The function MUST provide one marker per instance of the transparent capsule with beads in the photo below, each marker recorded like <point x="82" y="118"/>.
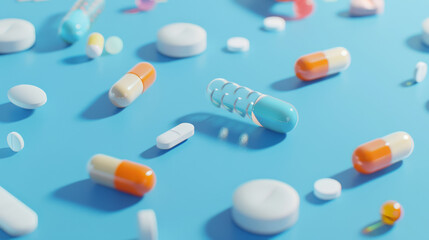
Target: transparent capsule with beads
<point x="263" y="110"/>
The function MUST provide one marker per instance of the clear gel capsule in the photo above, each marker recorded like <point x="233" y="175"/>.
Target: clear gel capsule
<point x="264" y="110"/>
<point x="78" y="20"/>
<point x="380" y="153"/>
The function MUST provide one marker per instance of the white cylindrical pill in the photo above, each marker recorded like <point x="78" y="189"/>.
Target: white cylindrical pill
<point x="265" y="206"/>
<point x="420" y="72"/>
<point x="15" y="141"/>
<point x="181" y="40"/>
<point x="327" y="188"/>
<point x="274" y="24"/>
<point x="148" y="226"/>
<point x="175" y="136"/>
<point x="238" y="44"/>
<point x="95" y="45"/>
<point x="16" y="35"/>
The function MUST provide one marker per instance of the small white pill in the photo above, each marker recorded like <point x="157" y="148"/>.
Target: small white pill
<point x="238" y="44"/>
<point x="16" y="218"/>
<point x="175" y="136"/>
<point x="181" y="40"/>
<point x="265" y="206"/>
<point x="327" y="189"/>
<point x="15" y="141"/>
<point x="274" y="24"/>
<point x="147" y="225"/>
<point x="425" y="34"/>
<point x="27" y="96"/>
<point x="420" y="72"/>
<point x="16" y="35"/>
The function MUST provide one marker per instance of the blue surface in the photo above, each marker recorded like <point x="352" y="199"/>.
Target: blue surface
<point x="196" y="180"/>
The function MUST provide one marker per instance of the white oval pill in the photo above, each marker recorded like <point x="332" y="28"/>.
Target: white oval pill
<point x="175" y="136"/>
<point x="327" y="189"/>
<point x="27" y="96"/>
<point x="274" y="24"/>
<point x="148" y="226"/>
<point x="16" y="218"/>
<point x="16" y="35"/>
<point x="238" y="44"/>
<point x="181" y="40"/>
<point x="15" y="141"/>
<point x="425" y="35"/>
<point x="265" y="206"/>
<point x="420" y="71"/>
<point x="114" y="45"/>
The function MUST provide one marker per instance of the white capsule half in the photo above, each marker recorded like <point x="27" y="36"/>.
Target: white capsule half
<point x="175" y="136"/>
<point x="338" y="59"/>
<point x="148" y="226"/>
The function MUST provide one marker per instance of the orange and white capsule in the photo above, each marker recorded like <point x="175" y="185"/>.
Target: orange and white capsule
<point x="132" y="84"/>
<point x="380" y="153"/>
<point x="122" y="175"/>
<point x="321" y="64"/>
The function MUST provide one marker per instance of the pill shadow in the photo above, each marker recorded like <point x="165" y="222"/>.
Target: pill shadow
<point x="415" y="42"/>
<point x="78" y="59"/>
<point x="130" y="10"/>
<point x="427" y="106"/>
<point x="149" y="53"/>
<point x="154" y="151"/>
<point x="311" y="198"/>
<point x="408" y="83"/>
<point x="264" y="8"/>
<point x="101" y="108"/>
<point x="292" y="83"/>
<point x="12" y="113"/>
<point x="89" y="194"/>
<point x="48" y="39"/>
<point x="379" y="230"/>
<point x="6" y="152"/>
<point x="233" y="131"/>
<point x="351" y="178"/>
<point x="346" y="14"/>
<point x="5" y="236"/>
<point x="221" y="227"/>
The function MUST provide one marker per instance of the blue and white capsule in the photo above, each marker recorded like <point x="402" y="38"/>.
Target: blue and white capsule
<point x="265" y="111"/>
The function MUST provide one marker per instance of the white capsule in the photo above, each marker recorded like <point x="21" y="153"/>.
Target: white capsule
<point x="175" y="136"/>
<point x="148" y="226"/>
<point x="420" y="72"/>
<point x="327" y="189"/>
<point x="238" y="44"/>
<point x="274" y="24"/>
<point x="15" y="141"/>
<point x="16" y="218"/>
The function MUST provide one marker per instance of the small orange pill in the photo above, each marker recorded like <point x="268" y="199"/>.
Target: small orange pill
<point x="390" y="212"/>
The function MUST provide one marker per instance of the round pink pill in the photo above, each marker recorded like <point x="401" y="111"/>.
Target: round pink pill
<point x="145" y="5"/>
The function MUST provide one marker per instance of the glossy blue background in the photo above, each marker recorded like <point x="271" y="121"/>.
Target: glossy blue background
<point x="196" y="180"/>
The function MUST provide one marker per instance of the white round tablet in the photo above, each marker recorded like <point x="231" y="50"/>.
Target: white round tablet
<point x="327" y="189"/>
<point x="181" y="40"/>
<point x="265" y="206"/>
<point x="274" y="24"/>
<point x="238" y="44"/>
<point x="27" y="96"/>
<point x="15" y="141"/>
<point x="16" y="35"/>
<point x="420" y="71"/>
<point x="147" y="225"/>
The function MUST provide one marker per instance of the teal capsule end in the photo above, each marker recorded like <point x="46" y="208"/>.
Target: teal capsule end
<point x="275" y="114"/>
<point x="75" y="26"/>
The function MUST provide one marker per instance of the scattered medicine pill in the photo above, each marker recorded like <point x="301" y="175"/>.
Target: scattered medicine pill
<point x="16" y="218"/>
<point x="147" y="225"/>
<point x="238" y="44"/>
<point x="15" y="141"/>
<point x="321" y="64"/>
<point x="420" y="72"/>
<point x="175" y="136"/>
<point x="274" y="24"/>
<point x="95" y="45"/>
<point x="16" y="35"/>
<point x="382" y="152"/>
<point x="265" y="206"/>
<point x="145" y="5"/>
<point x="180" y="40"/>
<point x="366" y="7"/>
<point x="122" y="175"/>
<point x="327" y="189"/>
<point x="425" y="34"/>
<point x="132" y="84"/>
<point x="391" y="211"/>
<point x="114" y="45"/>
<point x="27" y="96"/>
